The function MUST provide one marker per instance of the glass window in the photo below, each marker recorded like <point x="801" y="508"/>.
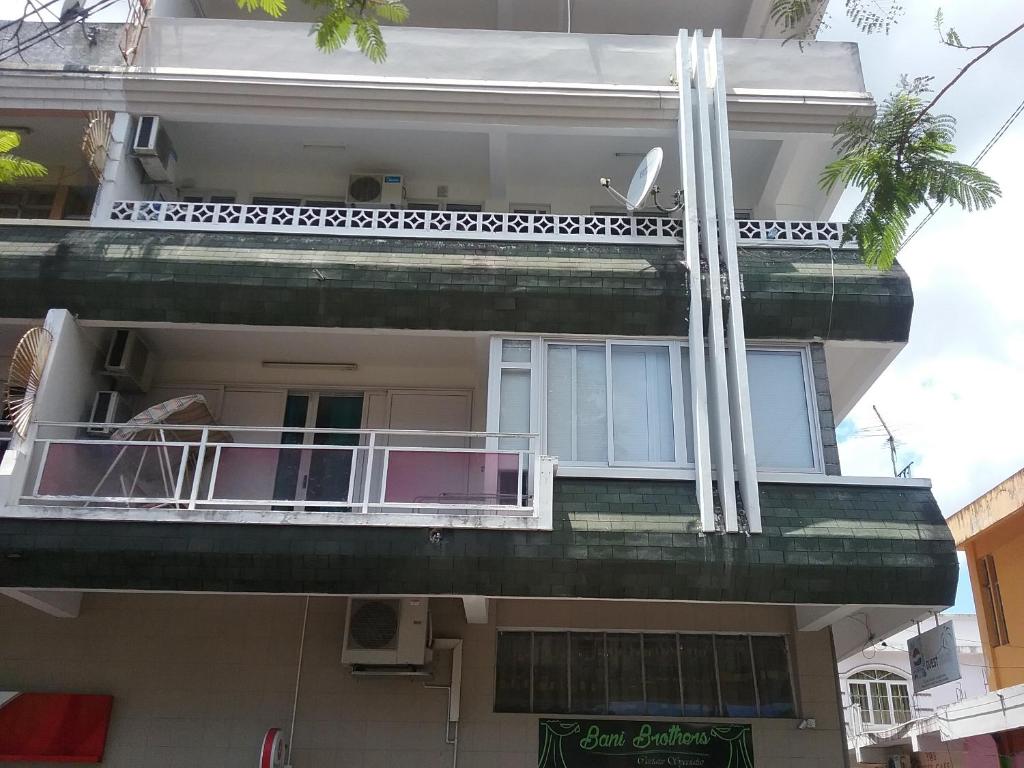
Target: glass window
<point x="735" y="675"/>
<point x="771" y="664"/>
<point x="625" y="674"/>
<point x="551" y="672"/>
<point x="515" y="350"/>
<point x="778" y="405"/>
<point x="577" y="403"/>
<point x="513" y="672"/>
<point x="642" y="428"/>
<point x="881" y="698"/>
<point x="643" y="425"/>
<point x="661" y="676"/>
<point x="700" y="685"/>
<point x="589" y="696"/>
<point x="514" y="411"/>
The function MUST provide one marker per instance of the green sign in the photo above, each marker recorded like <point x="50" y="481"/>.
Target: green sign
<point x="643" y="744"/>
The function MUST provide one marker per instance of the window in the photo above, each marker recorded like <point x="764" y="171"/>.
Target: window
<point x="470" y="207"/>
<point x="626" y="403"/>
<point x="633" y="673"/>
<point x="265" y="200"/>
<point x="529" y="208"/>
<point x="881" y="698"/>
<point x="514" y="371"/>
<point x="613" y="403"/>
<point x="992" y="602"/>
<point x="781" y="410"/>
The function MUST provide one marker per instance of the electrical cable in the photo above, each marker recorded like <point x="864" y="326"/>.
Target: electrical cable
<point x="19" y="46"/>
<point x="981" y="156"/>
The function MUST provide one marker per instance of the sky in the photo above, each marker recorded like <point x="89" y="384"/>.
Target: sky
<point x="953" y="396"/>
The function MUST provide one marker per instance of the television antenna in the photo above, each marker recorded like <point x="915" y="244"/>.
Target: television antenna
<point x="643" y="184"/>
<point x="890" y="440"/>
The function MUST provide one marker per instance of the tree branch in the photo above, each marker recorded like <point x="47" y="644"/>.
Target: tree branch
<point x="987" y="50"/>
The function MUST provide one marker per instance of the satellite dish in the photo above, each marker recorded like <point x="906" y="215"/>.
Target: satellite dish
<point x="643" y="184"/>
<point x="25" y="376"/>
<point x="644" y="178"/>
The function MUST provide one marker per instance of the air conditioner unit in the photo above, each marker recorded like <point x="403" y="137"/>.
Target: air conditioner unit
<point x="386" y="633"/>
<point x="108" y="407"/>
<point x="129" y="360"/>
<point x="376" y="190"/>
<point x="152" y="147"/>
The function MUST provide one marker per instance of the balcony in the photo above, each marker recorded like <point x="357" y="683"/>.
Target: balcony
<point x="346" y="477"/>
<point x="456" y="225"/>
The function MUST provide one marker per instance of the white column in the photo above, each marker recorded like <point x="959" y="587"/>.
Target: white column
<point x="691" y="250"/>
<point x="736" y="350"/>
<point x="718" y="391"/>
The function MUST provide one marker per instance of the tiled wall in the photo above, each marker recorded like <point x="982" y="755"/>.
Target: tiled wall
<point x="197" y="680"/>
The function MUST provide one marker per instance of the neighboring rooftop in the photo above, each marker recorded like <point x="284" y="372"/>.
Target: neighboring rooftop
<point x="989" y="510"/>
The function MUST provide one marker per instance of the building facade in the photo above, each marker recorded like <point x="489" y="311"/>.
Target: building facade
<point x="990" y="530"/>
<point x="887" y="720"/>
<point x="360" y="411"/>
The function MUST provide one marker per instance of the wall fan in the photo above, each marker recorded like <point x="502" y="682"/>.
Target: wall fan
<point x="24" y="378"/>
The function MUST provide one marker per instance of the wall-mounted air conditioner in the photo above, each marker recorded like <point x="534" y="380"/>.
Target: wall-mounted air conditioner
<point x="152" y="147"/>
<point x="129" y="360"/>
<point x="376" y="189"/>
<point x="108" y="407"/>
<point x="386" y="633"/>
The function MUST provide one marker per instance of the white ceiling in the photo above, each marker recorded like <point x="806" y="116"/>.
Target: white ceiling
<point x="308" y="345"/>
<point x="591" y="16"/>
<point x="54" y="141"/>
<point x="269" y="160"/>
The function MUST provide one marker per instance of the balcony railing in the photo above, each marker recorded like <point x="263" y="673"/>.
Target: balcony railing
<point x="462" y="225"/>
<point x="274" y="474"/>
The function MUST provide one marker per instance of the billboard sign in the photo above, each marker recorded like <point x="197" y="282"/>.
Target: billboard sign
<point x="933" y="659"/>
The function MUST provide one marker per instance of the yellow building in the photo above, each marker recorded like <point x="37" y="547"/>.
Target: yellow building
<point x="990" y="530"/>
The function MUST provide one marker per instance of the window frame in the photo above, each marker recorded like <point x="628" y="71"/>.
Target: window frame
<point x="678" y="635"/>
<point x="683" y="459"/>
<point x="992" y="601"/>
<point x="895" y="679"/>
<point x="811" y="400"/>
<point x="683" y="467"/>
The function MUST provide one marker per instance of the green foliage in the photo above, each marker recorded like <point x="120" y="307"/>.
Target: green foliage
<point x="342" y="20"/>
<point x="13" y="167"/>
<point x="900" y="161"/>
<point x="869" y="16"/>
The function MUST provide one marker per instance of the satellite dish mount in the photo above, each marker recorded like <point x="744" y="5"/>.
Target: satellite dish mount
<point x="643" y="184"/>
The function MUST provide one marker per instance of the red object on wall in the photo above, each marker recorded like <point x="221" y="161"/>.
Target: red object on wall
<point x="53" y="727"/>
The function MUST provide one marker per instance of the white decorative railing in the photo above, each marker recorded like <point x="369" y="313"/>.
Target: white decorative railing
<point x="342" y="476"/>
<point x="787" y="232"/>
<point x="461" y="225"/>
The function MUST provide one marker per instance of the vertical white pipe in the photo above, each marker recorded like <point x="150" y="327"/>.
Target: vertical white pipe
<point x="718" y="393"/>
<point x="698" y="413"/>
<point x="736" y="351"/>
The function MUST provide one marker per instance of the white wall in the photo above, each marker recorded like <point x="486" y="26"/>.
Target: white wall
<point x="893" y="657"/>
<point x="198" y="679"/>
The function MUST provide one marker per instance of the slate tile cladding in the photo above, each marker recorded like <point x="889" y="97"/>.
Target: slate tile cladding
<point x="826" y="417"/>
<point x="628" y="539"/>
<point x="262" y="279"/>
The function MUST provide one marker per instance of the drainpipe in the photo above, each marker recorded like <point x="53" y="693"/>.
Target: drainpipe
<point x="454" y="689"/>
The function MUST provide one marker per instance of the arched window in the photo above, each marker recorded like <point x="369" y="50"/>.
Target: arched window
<point x="883" y="698"/>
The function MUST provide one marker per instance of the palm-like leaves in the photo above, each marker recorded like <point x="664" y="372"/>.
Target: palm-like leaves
<point x="13" y="167"/>
<point x="343" y="20"/>
<point x="900" y="161"/>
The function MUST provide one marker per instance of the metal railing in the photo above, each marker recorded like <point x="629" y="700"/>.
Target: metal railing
<point x="469" y="225"/>
<point x="348" y="471"/>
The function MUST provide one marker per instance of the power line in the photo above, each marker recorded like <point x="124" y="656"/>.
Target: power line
<point x="76" y="15"/>
<point x="981" y="156"/>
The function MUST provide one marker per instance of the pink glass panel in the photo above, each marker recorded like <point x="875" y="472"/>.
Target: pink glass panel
<point x="451" y="477"/>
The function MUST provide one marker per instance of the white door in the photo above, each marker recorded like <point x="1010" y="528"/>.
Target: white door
<point x="437" y="476"/>
<point x="248" y="473"/>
